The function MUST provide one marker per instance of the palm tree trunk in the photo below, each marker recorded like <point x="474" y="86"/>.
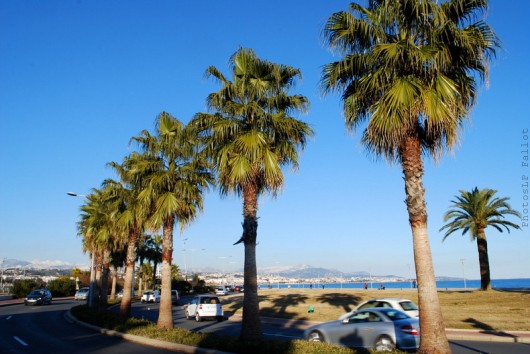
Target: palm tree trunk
<point x="433" y="338"/>
<point x="130" y="260"/>
<point x="251" y="324"/>
<point x="103" y="301"/>
<point x="97" y="283"/>
<point x="484" y="262"/>
<point x="165" y="314"/>
<point x="114" y="272"/>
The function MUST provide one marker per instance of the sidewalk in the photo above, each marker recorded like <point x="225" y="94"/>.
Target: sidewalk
<point x="452" y="333"/>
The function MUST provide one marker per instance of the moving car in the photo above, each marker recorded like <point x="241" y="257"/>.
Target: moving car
<point x="404" y="305"/>
<point x="221" y="290"/>
<point x="38" y="297"/>
<point x="204" y="307"/>
<point x="371" y="328"/>
<point x="175" y="297"/>
<point x="81" y="294"/>
<point x="150" y="296"/>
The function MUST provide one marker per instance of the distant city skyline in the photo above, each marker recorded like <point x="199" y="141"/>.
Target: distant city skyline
<point x="80" y="78"/>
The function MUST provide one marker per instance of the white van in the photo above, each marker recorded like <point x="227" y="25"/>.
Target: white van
<point x="221" y="290"/>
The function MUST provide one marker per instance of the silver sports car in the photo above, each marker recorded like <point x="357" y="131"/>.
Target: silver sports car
<point x="377" y="328"/>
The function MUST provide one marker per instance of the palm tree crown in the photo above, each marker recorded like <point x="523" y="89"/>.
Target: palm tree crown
<point x="408" y="67"/>
<point x="476" y="210"/>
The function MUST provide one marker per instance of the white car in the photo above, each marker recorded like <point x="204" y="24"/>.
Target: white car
<point x="405" y="305"/>
<point x="221" y="290"/>
<point x="82" y="294"/>
<point x="151" y="296"/>
<point x="203" y="307"/>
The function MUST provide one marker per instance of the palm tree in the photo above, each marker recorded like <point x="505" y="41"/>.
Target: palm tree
<point x="129" y="221"/>
<point x="249" y="137"/>
<point x="98" y="225"/>
<point x="176" y="179"/>
<point x="409" y="72"/>
<point x="473" y="212"/>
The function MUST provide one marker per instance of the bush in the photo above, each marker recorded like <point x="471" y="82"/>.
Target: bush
<point x="21" y="288"/>
<point x="63" y="286"/>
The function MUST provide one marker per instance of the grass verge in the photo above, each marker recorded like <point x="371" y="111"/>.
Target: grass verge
<point x="144" y="328"/>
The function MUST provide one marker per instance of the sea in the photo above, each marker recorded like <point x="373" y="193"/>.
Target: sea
<point x="471" y="284"/>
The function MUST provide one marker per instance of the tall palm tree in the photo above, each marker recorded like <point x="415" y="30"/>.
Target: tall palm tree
<point x="98" y="223"/>
<point x="409" y="72"/>
<point x="129" y="220"/>
<point x="249" y="137"/>
<point x="473" y="212"/>
<point x="176" y="179"/>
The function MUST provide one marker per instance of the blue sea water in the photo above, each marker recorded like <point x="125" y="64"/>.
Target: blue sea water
<point x="523" y="283"/>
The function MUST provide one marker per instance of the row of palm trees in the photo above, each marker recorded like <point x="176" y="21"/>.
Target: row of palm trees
<point x="408" y="74"/>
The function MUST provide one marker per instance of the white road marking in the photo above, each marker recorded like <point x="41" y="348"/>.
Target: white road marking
<point x="8" y="318"/>
<point x="21" y="341"/>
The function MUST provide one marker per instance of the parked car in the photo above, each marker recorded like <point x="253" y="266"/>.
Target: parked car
<point x="221" y="290"/>
<point x="175" y="297"/>
<point x="82" y="294"/>
<point x="371" y="328"/>
<point x="239" y="288"/>
<point x="204" y="307"/>
<point x="38" y="297"/>
<point x="150" y="296"/>
<point x="404" y="305"/>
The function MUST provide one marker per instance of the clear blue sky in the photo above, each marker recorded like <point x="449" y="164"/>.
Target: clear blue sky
<point x="78" y="79"/>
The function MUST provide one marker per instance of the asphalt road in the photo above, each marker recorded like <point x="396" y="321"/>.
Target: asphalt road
<point x="281" y="330"/>
<point x="45" y="330"/>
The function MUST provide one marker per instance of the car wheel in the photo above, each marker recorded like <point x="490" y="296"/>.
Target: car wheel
<point x="220" y="318"/>
<point x="384" y="343"/>
<point x="316" y="336"/>
<point x="198" y="317"/>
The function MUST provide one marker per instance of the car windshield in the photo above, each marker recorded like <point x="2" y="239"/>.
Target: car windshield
<point x="209" y="300"/>
<point x="37" y="292"/>
<point x="396" y="315"/>
<point x="408" y="306"/>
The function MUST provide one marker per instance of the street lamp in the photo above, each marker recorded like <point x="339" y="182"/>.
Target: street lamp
<point x="463" y="272"/>
<point x="2" y="279"/>
<point x="185" y="261"/>
<point x="90" y="298"/>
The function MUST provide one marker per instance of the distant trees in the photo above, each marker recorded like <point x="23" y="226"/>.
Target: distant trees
<point x="62" y="286"/>
<point x="23" y="287"/>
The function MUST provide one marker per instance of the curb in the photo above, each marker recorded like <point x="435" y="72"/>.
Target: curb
<point x="182" y="348"/>
<point x="488" y="335"/>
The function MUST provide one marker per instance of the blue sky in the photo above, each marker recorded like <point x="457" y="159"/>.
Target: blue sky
<point x="80" y="78"/>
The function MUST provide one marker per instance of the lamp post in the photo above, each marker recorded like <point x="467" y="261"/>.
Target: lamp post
<point x="185" y="261"/>
<point x="463" y="272"/>
<point x="90" y="298"/>
<point x="2" y="279"/>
